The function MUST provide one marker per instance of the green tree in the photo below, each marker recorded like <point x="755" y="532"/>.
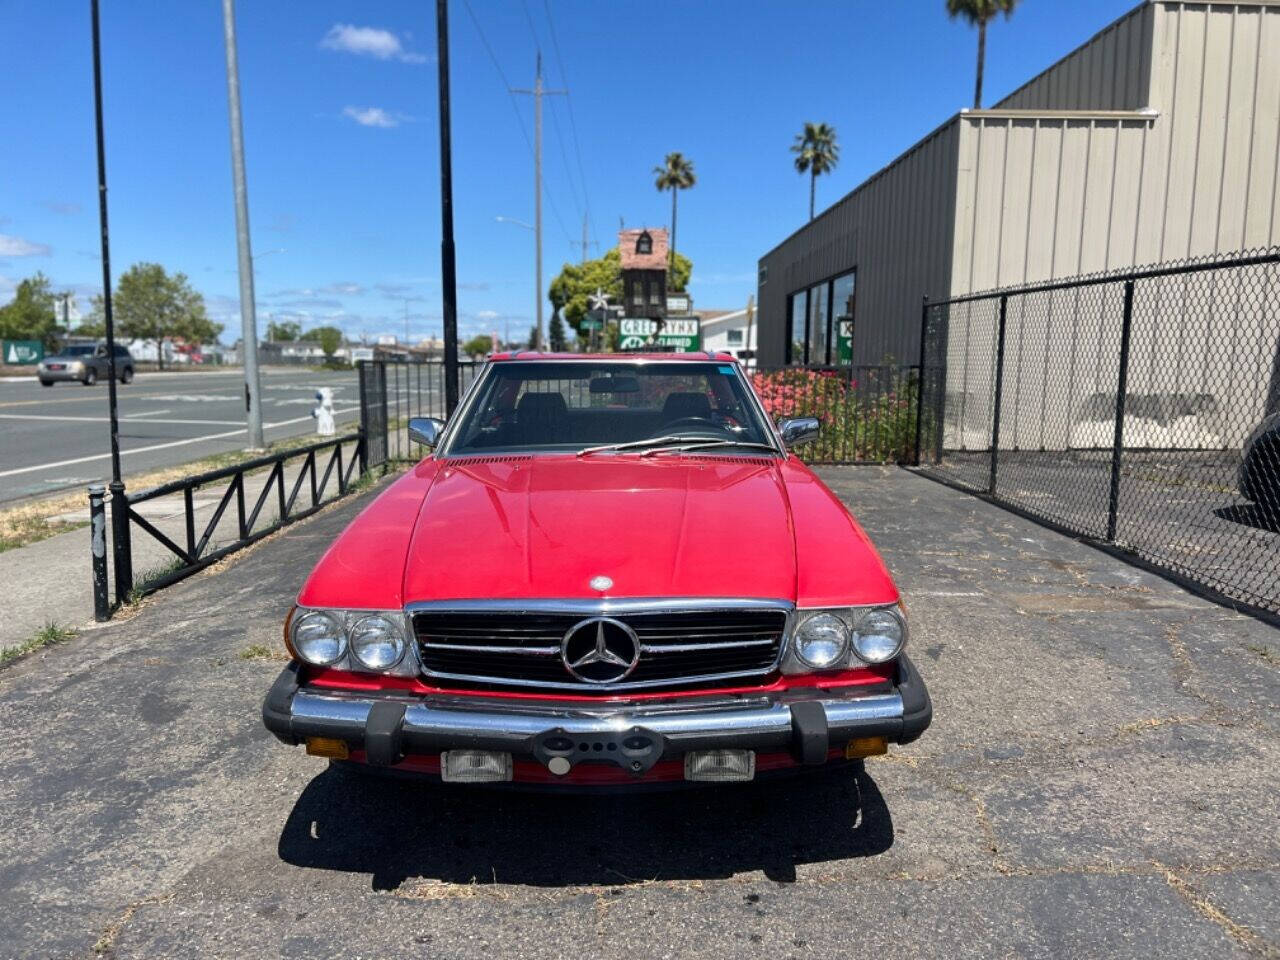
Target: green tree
<point x="329" y="338"/>
<point x="284" y="331"/>
<point x="150" y="304"/>
<point x="555" y="333"/>
<point x="675" y="174"/>
<point x="90" y="327"/>
<point x="31" y="314"/>
<point x="678" y="274"/>
<point x="533" y="337"/>
<point x="478" y="346"/>
<point x="816" y="153"/>
<point x="976" y="13"/>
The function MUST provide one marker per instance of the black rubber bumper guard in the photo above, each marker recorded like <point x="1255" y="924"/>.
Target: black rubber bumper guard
<point x="382" y="735"/>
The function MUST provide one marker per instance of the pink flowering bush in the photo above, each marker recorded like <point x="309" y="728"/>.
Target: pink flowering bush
<point x="874" y="420"/>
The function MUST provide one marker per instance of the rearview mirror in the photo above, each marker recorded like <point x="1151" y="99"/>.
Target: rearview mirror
<point x="426" y="431"/>
<point x="799" y="431"/>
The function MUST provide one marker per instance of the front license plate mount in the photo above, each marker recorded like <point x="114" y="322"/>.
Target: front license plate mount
<point x="634" y="749"/>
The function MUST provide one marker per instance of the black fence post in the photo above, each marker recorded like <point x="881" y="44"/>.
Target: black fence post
<point x="362" y="450"/>
<point x="382" y="389"/>
<point x="924" y="328"/>
<point x="98" y="548"/>
<point x="995" y="418"/>
<point x="1122" y="388"/>
<point x="122" y="549"/>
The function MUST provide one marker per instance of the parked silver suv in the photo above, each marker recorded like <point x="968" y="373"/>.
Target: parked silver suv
<point x="84" y="362"/>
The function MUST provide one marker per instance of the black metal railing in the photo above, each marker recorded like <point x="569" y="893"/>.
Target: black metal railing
<point x="392" y="391"/>
<point x="1139" y="409"/>
<point x="324" y="473"/>
<point x="869" y="412"/>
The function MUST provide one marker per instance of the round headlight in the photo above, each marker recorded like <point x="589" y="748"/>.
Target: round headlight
<point x="879" y="636"/>
<point x="376" y="642"/>
<point x="318" y="638"/>
<point x="821" y="641"/>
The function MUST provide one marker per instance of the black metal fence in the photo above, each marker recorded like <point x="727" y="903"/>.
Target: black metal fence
<point x="259" y="497"/>
<point x="1137" y="409"/>
<point x="392" y="391"/>
<point x="868" y="412"/>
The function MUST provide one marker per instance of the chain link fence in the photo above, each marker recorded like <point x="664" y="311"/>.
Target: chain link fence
<point x="1138" y="409"/>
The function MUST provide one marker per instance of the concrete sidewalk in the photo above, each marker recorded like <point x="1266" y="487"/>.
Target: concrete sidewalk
<point x="52" y="580"/>
<point x="1102" y="779"/>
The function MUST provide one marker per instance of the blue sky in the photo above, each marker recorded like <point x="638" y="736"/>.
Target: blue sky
<point x="340" y="116"/>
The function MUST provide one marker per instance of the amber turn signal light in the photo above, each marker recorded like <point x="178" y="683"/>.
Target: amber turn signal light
<point x="865" y="747"/>
<point x="327" y="747"/>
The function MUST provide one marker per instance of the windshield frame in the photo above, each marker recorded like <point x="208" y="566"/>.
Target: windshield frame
<point x="445" y="449"/>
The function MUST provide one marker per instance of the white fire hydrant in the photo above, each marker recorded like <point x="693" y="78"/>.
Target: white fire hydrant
<point x="324" y="413"/>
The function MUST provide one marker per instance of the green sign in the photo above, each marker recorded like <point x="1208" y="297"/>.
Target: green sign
<point x="844" y="340"/>
<point x="21" y="352"/>
<point x="683" y="334"/>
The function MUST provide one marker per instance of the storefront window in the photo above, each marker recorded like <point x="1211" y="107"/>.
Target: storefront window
<point x="819" y="315"/>
<point x="842" y="318"/>
<point x="797" y="327"/>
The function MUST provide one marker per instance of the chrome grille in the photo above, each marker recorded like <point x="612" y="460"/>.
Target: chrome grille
<point x="695" y="646"/>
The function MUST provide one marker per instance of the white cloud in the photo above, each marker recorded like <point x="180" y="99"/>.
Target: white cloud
<point x="370" y="116"/>
<point x="487" y="315"/>
<point x="11" y="246"/>
<point x="369" y="42"/>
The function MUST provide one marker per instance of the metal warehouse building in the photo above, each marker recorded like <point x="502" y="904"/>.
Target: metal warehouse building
<point x="1157" y="140"/>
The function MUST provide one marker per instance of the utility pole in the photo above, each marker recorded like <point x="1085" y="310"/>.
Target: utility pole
<point x="538" y="92"/>
<point x="248" y="315"/>
<point x="448" y="262"/>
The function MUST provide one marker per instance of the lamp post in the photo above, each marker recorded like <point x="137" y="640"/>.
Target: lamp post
<point x="448" y="263"/>
<point x="537" y="307"/>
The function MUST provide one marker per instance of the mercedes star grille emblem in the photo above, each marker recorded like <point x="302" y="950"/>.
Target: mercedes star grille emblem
<point x="600" y="650"/>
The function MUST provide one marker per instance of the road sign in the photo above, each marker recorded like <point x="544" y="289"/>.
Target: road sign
<point x="21" y="352"/>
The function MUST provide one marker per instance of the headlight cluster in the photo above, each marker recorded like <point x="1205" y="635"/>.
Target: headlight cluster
<point x="845" y="637"/>
<point x="373" y="641"/>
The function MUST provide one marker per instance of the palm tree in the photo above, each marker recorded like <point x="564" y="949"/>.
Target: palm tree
<point x="816" y="153"/>
<point x="977" y="13"/>
<point x="675" y="174"/>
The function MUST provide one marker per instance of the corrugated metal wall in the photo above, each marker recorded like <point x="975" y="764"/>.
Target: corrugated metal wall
<point x="1110" y="72"/>
<point x="1041" y="197"/>
<point x="1028" y="191"/>
<point x="896" y="230"/>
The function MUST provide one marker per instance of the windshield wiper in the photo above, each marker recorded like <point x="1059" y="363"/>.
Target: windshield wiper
<point x="648" y="442"/>
<point x="699" y="443"/>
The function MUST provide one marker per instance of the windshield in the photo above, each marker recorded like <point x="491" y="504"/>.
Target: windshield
<point x="577" y="405"/>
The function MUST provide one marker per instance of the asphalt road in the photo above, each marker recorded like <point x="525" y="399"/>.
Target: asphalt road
<point x="58" y="437"/>
<point x="1102" y="779"/>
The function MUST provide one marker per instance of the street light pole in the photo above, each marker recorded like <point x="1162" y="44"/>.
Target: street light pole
<point x="122" y="558"/>
<point x="248" y="315"/>
<point x="448" y="266"/>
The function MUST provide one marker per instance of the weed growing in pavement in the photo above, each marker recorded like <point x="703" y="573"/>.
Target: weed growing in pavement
<point x="51" y="633"/>
<point x="143" y="582"/>
<point x="257" y="651"/>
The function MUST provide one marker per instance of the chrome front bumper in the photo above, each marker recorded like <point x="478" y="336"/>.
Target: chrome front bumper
<point x="806" y="723"/>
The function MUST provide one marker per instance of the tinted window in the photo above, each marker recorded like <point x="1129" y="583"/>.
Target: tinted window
<point x="122" y="351"/>
<point x="85" y="350"/>
<point x="541" y="405"/>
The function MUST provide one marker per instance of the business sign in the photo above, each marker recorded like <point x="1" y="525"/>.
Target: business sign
<point x="637" y="333"/>
<point x="21" y="352"/>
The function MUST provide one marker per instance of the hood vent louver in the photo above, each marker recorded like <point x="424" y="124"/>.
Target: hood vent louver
<point x="497" y="458"/>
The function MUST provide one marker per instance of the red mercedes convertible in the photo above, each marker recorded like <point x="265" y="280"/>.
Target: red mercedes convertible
<point x="608" y="570"/>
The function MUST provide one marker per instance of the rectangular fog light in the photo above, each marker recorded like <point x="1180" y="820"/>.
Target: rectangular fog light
<point x="865" y="747"/>
<point x="474" y="766"/>
<point x="720" y="765"/>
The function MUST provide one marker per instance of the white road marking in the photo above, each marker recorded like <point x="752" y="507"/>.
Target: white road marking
<point x="131" y="419"/>
<point x="148" y="413"/>
<point x="162" y="446"/>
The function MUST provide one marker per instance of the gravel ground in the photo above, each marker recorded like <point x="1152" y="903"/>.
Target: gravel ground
<point x="1101" y="779"/>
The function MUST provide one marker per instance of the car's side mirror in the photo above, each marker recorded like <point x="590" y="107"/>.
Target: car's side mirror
<point x="426" y="431"/>
<point x="799" y="430"/>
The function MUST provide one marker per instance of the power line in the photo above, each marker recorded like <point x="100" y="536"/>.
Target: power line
<point x="573" y="124"/>
<point x="515" y="106"/>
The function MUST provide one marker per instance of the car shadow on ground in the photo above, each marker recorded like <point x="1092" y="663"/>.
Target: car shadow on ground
<point x="1251" y="515"/>
<point x="397" y="830"/>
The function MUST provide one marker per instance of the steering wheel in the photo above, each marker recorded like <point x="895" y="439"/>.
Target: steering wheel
<point x="696" y="423"/>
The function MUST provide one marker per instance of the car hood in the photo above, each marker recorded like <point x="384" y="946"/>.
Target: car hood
<point x="544" y="527"/>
